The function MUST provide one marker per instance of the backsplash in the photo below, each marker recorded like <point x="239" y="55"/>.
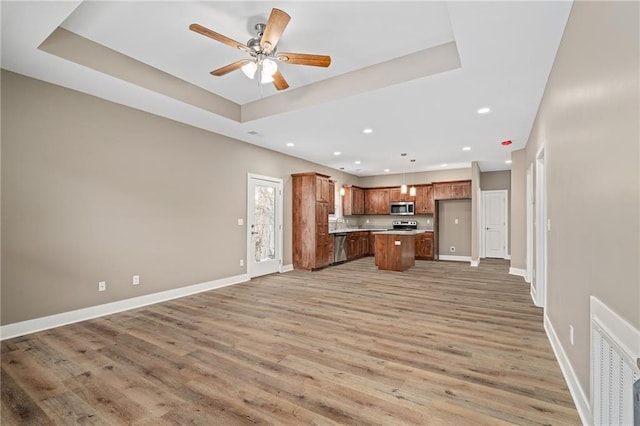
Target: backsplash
<point x="378" y="221"/>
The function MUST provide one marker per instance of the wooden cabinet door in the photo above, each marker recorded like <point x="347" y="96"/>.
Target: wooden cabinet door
<point x="332" y="197"/>
<point x="352" y="246"/>
<point x="428" y="245"/>
<point x="322" y="234"/>
<point x="347" y="201"/>
<point x="429" y="202"/>
<point x="394" y="195"/>
<point x="372" y="244"/>
<point x="424" y="246"/>
<point x="420" y="253"/>
<point x="461" y="190"/>
<point x="322" y="189"/>
<point x="442" y="191"/>
<point x="376" y="201"/>
<point x="358" y="200"/>
<point x="364" y="243"/>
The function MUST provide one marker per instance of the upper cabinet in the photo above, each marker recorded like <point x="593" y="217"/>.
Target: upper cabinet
<point x="332" y="197"/>
<point x="457" y="190"/>
<point x="396" y="195"/>
<point x="353" y="201"/>
<point x="376" y="201"/>
<point x="425" y="203"/>
<point x="322" y="188"/>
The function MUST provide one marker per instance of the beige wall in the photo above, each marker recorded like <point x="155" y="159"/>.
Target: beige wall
<point x="415" y="178"/>
<point x="93" y="191"/>
<point x="452" y="234"/>
<point x="491" y="181"/>
<point x="518" y="218"/>
<point x="588" y="123"/>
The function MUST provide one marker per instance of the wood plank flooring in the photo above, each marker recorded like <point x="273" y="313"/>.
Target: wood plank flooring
<point x="439" y="344"/>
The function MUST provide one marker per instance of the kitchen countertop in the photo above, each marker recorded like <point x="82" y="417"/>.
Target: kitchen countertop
<point x="377" y="230"/>
<point x="402" y="232"/>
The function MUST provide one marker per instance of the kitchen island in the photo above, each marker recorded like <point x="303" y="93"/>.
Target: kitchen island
<point x="395" y="250"/>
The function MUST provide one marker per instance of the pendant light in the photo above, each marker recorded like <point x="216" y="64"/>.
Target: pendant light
<point x="403" y="187"/>
<point x="342" y="190"/>
<point x="412" y="190"/>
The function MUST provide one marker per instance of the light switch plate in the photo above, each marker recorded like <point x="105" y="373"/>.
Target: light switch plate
<point x="240" y="222"/>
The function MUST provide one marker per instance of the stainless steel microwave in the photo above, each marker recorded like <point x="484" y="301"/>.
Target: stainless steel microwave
<point x="402" y="208"/>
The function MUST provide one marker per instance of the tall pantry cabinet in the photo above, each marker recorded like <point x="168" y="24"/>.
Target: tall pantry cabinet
<point x="312" y="243"/>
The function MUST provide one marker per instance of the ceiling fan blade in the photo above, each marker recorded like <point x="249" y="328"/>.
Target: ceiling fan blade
<point x="279" y="81"/>
<point x="218" y="37"/>
<point x="228" y="68"/>
<point x="305" y="59"/>
<point x="276" y="24"/>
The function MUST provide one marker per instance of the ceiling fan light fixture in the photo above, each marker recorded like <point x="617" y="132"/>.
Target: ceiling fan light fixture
<point x="249" y="69"/>
<point x="269" y="67"/>
<point x="265" y="78"/>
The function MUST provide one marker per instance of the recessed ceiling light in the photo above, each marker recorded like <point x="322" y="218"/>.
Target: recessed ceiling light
<point x="466" y="148"/>
<point x="387" y="170"/>
<point x="337" y="153"/>
<point x="291" y="144"/>
<point x="508" y="161"/>
<point x="356" y="162"/>
<point x="484" y="110"/>
<point x="443" y="165"/>
<point x="367" y="131"/>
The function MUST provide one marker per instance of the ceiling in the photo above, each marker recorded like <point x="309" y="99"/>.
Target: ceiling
<point x="414" y="72"/>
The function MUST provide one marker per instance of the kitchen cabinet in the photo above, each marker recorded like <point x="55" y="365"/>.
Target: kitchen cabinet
<point x="396" y="195"/>
<point x="424" y="246"/>
<point x="372" y="244"/>
<point x="332" y="197"/>
<point x="358" y="244"/>
<point x="425" y="203"/>
<point x="457" y="190"/>
<point x="312" y="243"/>
<point x="376" y="201"/>
<point x="395" y="252"/>
<point x="353" y="201"/>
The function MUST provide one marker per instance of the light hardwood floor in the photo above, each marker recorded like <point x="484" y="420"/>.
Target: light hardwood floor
<point x="441" y="343"/>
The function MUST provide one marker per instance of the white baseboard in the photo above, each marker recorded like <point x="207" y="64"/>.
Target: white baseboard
<point x="286" y="268"/>
<point x="44" y="323"/>
<point x="475" y="263"/>
<point x="517" y="271"/>
<point x="534" y="295"/>
<point x="455" y="258"/>
<point x="579" y="398"/>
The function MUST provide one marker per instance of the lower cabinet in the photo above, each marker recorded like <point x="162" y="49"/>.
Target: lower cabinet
<point x="424" y="246"/>
<point x="358" y="244"/>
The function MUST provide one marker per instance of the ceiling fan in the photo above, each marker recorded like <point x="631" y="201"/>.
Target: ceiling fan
<point x="262" y="49"/>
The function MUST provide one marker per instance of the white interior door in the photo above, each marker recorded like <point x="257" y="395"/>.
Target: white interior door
<point x="540" y="279"/>
<point x="495" y="223"/>
<point x="264" y="225"/>
<point x="529" y="273"/>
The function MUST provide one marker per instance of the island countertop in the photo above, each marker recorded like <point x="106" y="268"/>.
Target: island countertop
<point x="402" y="232"/>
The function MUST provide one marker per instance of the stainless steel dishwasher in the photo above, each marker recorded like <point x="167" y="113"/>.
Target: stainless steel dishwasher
<point x="339" y="247"/>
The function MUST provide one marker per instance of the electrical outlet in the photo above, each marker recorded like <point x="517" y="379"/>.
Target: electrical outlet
<point x="452" y="249"/>
<point x="571" y="334"/>
<point x="102" y="286"/>
<point x="240" y="222"/>
<point x="455" y="221"/>
<point x="136" y="279"/>
<point x="367" y="220"/>
<point x="241" y="262"/>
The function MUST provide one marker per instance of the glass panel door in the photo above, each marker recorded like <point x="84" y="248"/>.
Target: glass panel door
<point x="264" y="200"/>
